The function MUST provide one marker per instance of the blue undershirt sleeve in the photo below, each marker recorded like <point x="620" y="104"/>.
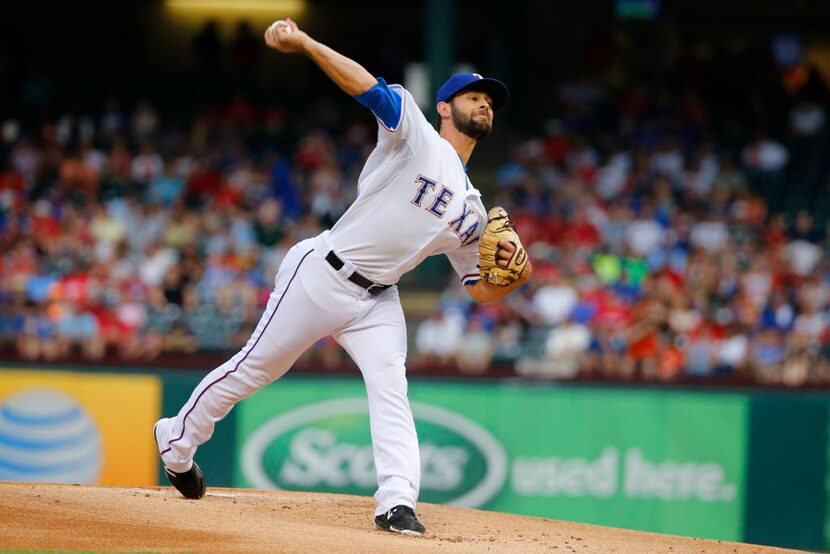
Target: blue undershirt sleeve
<point x="384" y="102"/>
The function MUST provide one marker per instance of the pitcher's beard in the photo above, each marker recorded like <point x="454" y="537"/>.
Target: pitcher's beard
<point x="474" y="129"/>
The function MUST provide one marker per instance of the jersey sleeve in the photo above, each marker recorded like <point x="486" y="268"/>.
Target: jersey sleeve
<point x="399" y="117"/>
<point x="385" y="102"/>
<point x="465" y="263"/>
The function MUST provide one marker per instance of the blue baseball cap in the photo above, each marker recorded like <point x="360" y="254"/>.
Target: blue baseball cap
<point x="473" y="81"/>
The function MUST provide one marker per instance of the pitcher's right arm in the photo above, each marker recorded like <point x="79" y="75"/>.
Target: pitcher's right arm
<point x="346" y="73"/>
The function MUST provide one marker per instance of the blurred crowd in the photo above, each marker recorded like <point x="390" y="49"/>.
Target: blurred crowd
<point x="668" y="282"/>
<point x="667" y="247"/>
<point x="660" y="256"/>
<point x="123" y="234"/>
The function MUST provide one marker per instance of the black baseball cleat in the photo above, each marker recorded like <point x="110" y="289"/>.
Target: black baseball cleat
<point x="400" y="519"/>
<point x="191" y="483"/>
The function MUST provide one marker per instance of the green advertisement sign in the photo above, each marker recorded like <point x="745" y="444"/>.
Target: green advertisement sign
<point x="669" y="462"/>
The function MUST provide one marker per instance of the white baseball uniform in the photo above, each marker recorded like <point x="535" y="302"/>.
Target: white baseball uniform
<point x="414" y="200"/>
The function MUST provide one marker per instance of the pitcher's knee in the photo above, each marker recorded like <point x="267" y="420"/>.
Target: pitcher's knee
<point x="388" y="378"/>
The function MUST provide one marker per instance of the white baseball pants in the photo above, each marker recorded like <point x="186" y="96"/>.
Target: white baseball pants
<point x="310" y="301"/>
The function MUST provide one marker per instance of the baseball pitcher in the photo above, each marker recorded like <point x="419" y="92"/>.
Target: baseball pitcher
<point x="414" y="200"/>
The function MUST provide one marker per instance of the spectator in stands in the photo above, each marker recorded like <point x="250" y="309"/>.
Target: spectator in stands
<point x="11" y="320"/>
<point x="165" y="189"/>
<point x="765" y="160"/>
<point x="39" y="337"/>
<point x="78" y="330"/>
<point x="475" y="349"/>
<point x="161" y="318"/>
<point x="437" y="339"/>
<point x="564" y="349"/>
<point x="554" y="299"/>
<point x="268" y="228"/>
<point x="644" y="234"/>
<point x="768" y="351"/>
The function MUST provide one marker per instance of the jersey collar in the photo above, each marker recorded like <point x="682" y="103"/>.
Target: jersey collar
<point x="464" y="167"/>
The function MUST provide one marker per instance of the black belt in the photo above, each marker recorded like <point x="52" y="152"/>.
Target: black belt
<point x="372" y="288"/>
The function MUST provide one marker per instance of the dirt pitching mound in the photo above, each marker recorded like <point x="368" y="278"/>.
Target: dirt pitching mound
<point x="71" y="517"/>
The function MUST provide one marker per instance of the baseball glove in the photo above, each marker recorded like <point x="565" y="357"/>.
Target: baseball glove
<point x="499" y="227"/>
